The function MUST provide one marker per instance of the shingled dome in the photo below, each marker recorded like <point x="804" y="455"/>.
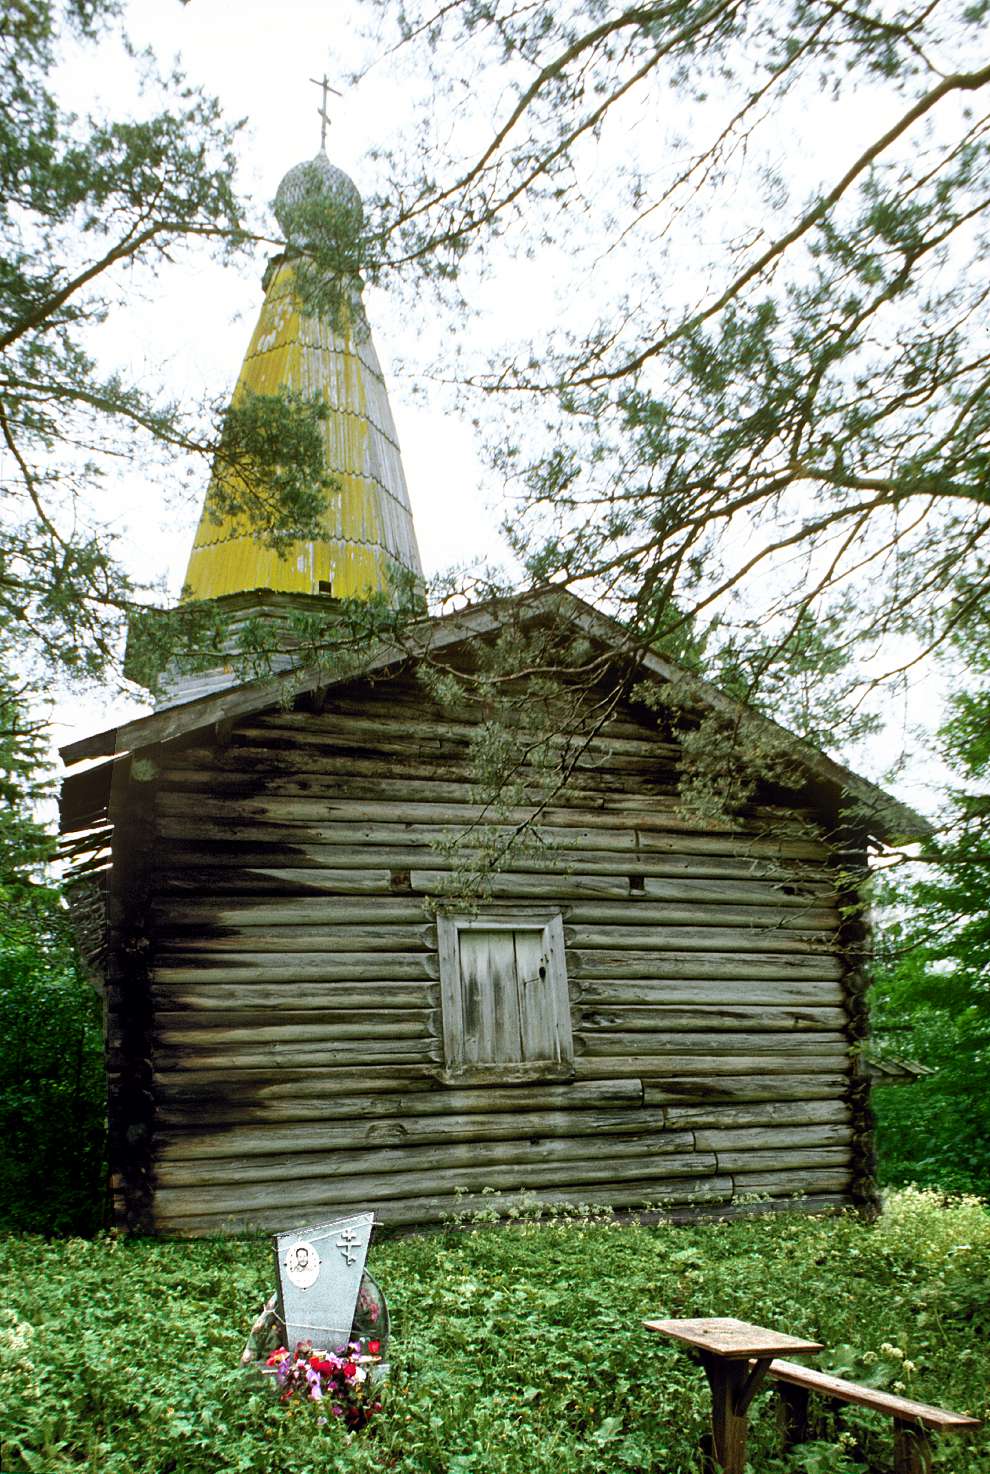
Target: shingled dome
<point x="304" y="187"/>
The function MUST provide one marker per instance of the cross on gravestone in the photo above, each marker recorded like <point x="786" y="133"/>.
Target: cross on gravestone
<point x="319" y="1273"/>
<point x="324" y="82"/>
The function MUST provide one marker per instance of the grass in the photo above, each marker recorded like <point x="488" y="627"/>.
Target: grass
<point x="515" y="1352"/>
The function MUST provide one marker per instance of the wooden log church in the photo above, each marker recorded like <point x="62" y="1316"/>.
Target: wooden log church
<point x="303" y="1017"/>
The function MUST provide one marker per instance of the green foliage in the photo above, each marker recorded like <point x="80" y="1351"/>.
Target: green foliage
<point x="83" y="201"/>
<point x="932" y="992"/>
<point x="771" y="413"/>
<point x="516" y="1351"/>
<point x="52" y="1080"/>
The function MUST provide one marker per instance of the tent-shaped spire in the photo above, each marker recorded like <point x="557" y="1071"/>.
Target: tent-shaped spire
<point x="367" y="531"/>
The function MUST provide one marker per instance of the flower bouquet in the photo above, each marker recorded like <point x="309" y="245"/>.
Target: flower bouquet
<point x="342" y="1379"/>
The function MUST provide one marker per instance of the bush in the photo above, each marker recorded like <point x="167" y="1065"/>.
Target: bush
<point x="52" y="1080"/>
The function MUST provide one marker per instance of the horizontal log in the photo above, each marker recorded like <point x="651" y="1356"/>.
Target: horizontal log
<point x="235" y="878"/>
<point x="391" y="910"/>
<point x="324" y="911"/>
<point x="713" y="1018"/>
<point x="771" y="1138"/>
<point x="204" y="820"/>
<point x="669" y="887"/>
<point x="239" y="1196"/>
<point x="278" y="1212"/>
<point x="794" y="1045"/>
<point x="418" y="937"/>
<point x="711" y="1067"/>
<point x="625" y="1155"/>
<point x="699" y="938"/>
<point x="349" y="1134"/>
<point x="366" y="998"/>
<point x="764" y="1113"/>
<point x="707" y="1094"/>
<point x="291" y="1025"/>
<point x="732" y="992"/>
<point x="314" y="1096"/>
<point x="259" y="849"/>
<point x="313" y="967"/>
<point x="588" y="963"/>
<point x="618" y="826"/>
<point x="360" y="1055"/>
<point x="789" y="1183"/>
<point x="786" y="1159"/>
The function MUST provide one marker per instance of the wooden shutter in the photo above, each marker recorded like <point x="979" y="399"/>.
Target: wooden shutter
<point x="506" y="1009"/>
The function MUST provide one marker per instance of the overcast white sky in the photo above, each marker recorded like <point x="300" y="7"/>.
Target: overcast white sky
<point x="189" y="327"/>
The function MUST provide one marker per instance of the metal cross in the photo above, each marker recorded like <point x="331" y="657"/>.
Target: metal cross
<point x="346" y="1244"/>
<point x="324" y="119"/>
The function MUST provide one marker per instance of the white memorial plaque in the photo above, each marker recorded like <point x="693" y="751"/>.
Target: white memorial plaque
<point x="319" y="1278"/>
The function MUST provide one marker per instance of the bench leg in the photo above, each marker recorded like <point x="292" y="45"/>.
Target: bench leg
<point x="792" y="1414"/>
<point x="726" y="1379"/>
<point x="912" y="1448"/>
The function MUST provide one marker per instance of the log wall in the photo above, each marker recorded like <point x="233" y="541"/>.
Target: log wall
<point x="294" y="980"/>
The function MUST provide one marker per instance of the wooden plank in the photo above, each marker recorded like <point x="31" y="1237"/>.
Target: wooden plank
<point x="274" y="1053"/>
<point x="370" y="998"/>
<point x="295" y="940"/>
<point x="885" y="1402"/>
<point x="323" y="911"/>
<point x="794" y="1046"/>
<point x="600" y="964"/>
<point x="380" y="1129"/>
<point x="804" y="1180"/>
<point x="653" y="825"/>
<point x="769" y="940"/>
<point x="370" y="1186"/>
<point x="714" y="911"/>
<point x="314" y="1096"/>
<point x="666" y="885"/>
<point x="665" y="1067"/>
<point x="262" y="848"/>
<point x="721" y="1116"/>
<point x="731" y="992"/>
<point x="437" y="1208"/>
<point x="771" y="1136"/>
<point x="783" y="1159"/>
<point x="436" y="1159"/>
<point x="236" y="875"/>
<point x="242" y="1027"/>
<point x="708" y="1093"/>
<point x="202" y="819"/>
<point x="718" y="1019"/>
<point x="263" y="967"/>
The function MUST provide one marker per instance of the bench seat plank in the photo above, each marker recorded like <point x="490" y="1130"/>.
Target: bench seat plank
<point x="884" y="1402"/>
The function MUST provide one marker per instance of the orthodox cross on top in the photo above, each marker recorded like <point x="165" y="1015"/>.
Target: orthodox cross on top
<point x="347" y="1243"/>
<point x="324" y="82"/>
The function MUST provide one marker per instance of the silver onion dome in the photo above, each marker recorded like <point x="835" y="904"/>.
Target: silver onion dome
<point x="316" y="199"/>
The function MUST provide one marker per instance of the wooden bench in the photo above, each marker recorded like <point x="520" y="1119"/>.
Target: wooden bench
<point x="913" y="1421"/>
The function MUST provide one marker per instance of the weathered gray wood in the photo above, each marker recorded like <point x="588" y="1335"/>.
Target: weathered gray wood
<point x="711" y="1067"/>
<point x="701" y="939"/>
<point x="313" y="967"/>
<point x="228" y="1052"/>
<point x="236" y="1197"/>
<point x="791" y="1044"/>
<point x="724" y="890"/>
<point x="186" y="816"/>
<point x="379" y="1129"/>
<point x="709" y="1093"/>
<point x="237" y="876"/>
<point x="783" y="1159"/>
<point x="311" y="1097"/>
<point x="731" y="992"/>
<point x="370" y="998"/>
<point x="296" y="939"/>
<point x="811" y="1180"/>
<point x="721" y="1117"/>
<point x="771" y="1136"/>
<point x="716" y="911"/>
<point x="290" y="1025"/>
<point x="812" y="1380"/>
<point x="601" y="964"/>
<point x="296" y="911"/>
<point x="718" y="1019"/>
<point x="439" y="1158"/>
<point x="436" y="1208"/>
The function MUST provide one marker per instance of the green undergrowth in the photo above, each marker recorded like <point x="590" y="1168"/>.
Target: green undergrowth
<point x="516" y="1351"/>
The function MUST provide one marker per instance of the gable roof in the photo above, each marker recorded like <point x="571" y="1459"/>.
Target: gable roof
<point x="881" y="813"/>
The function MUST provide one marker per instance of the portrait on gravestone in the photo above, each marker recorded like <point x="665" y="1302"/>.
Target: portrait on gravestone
<point x="325" y="1295"/>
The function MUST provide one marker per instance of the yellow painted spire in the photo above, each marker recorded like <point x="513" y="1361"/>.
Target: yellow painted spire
<point x="367" y="527"/>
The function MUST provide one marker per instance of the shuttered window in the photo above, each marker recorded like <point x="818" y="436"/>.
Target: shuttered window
<point x="506" y="1010"/>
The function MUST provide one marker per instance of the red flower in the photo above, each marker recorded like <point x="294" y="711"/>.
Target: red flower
<point x="349" y="1368"/>
<point x="374" y="1347"/>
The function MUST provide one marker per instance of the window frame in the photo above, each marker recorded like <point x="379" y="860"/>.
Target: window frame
<point x="456" y="1070"/>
